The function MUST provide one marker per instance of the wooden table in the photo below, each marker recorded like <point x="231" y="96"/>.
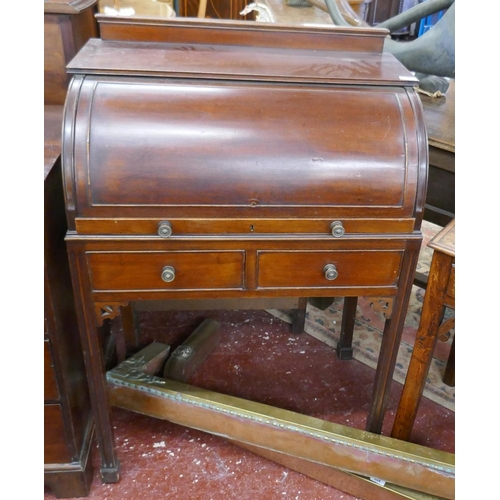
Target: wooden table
<point x="440" y="121"/>
<point x="440" y="293"/>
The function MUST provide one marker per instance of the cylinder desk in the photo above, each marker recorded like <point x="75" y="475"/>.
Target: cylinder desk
<point x="239" y="160"/>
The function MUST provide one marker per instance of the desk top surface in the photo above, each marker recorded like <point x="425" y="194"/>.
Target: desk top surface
<point x="440" y="119"/>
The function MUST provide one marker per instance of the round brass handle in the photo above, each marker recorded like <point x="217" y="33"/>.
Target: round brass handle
<point x="165" y="229"/>
<point x="168" y="274"/>
<point x="337" y="229"/>
<point x="331" y="272"/>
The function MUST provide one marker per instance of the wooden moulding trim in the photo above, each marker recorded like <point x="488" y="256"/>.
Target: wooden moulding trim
<point x="67" y="152"/>
<point x="67" y="7"/>
<point x="237" y="25"/>
<point x="423" y="156"/>
<point x="352" y="450"/>
<point x="241" y="33"/>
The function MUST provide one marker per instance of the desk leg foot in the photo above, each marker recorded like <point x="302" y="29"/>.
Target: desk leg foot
<point x="344" y="345"/>
<point x="90" y="319"/>
<point x="344" y="354"/>
<point x="299" y="316"/>
<point x="391" y="338"/>
<point x="111" y="474"/>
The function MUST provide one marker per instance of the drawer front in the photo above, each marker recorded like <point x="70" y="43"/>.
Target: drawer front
<point x="202" y="270"/>
<point x="51" y="391"/>
<point x="308" y="269"/>
<point x="55" y="448"/>
<point x="248" y="227"/>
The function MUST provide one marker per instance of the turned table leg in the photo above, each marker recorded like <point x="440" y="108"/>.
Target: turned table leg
<point x="344" y="345"/>
<point x="449" y="373"/>
<point x="95" y="368"/>
<point x="391" y="339"/>
<point x="299" y="316"/>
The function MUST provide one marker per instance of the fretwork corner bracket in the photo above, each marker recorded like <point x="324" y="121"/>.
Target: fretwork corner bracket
<point x="382" y="305"/>
<point x="107" y="310"/>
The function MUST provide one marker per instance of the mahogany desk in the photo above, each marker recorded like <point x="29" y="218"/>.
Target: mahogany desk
<point x="239" y="160"/>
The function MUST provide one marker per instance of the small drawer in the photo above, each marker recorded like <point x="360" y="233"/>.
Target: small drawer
<point x="153" y="270"/>
<point x="51" y="390"/>
<point x="316" y="269"/>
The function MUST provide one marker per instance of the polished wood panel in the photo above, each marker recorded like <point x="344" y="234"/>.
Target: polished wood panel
<point x="243" y="34"/>
<point x="67" y="26"/>
<point x="55" y="448"/>
<point x="142" y="270"/>
<point x="51" y="391"/>
<point x="218" y="61"/>
<point x="55" y="79"/>
<point x="269" y="174"/>
<point x="306" y="269"/>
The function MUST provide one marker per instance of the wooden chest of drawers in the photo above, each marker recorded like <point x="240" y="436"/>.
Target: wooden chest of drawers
<point x="68" y="24"/>
<point x="224" y="160"/>
<point x="68" y="424"/>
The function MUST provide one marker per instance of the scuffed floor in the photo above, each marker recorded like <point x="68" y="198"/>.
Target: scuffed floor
<point x="259" y="359"/>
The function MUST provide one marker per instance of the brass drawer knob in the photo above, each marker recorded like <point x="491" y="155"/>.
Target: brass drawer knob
<point x="331" y="272"/>
<point x="337" y="229"/>
<point x="168" y="274"/>
<point x="164" y="229"/>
